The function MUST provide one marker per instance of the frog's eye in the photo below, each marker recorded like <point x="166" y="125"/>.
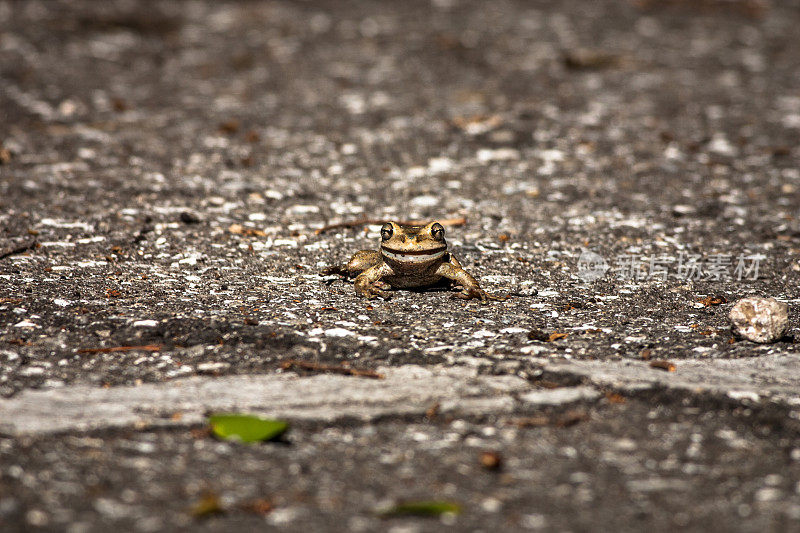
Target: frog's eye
<point x="386" y="232"/>
<point x="437" y="231"/>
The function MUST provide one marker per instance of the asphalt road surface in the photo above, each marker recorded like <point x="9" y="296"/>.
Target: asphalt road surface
<point x="175" y="176"/>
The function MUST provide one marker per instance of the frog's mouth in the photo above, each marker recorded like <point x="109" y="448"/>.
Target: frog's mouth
<point x="413" y="256"/>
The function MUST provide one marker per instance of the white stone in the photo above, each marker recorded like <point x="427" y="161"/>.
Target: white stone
<point x="303" y="209"/>
<point x="719" y="144"/>
<point x="426" y="200"/>
<point x="762" y="320"/>
<point x="211" y="367"/>
<point x="768" y="494"/>
<point x="743" y="395"/>
<point x="440" y="164"/>
<point x="560" y="396"/>
<point x="501" y="154"/>
<point x="533" y="521"/>
<point x="145" y="323"/>
<point x="338" y="332"/>
<point x="31" y="371"/>
<point x="491" y="505"/>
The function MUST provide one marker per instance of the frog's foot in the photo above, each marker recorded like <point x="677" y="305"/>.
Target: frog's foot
<point x="469" y="293"/>
<point x="336" y="270"/>
<point x="372" y="290"/>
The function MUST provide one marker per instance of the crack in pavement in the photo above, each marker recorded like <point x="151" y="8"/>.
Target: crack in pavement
<point x="407" y="390"/>
<point x="773" y="376"/>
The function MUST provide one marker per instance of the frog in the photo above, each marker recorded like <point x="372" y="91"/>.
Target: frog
<point x="409" y="257"/>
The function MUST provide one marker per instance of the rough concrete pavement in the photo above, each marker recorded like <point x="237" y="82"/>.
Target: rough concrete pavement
<point x="625" y="172"/>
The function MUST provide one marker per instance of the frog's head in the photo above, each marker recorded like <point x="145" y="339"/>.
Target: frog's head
<point x="412" y="245"/>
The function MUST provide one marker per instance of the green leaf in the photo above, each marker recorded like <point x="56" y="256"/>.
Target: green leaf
<point x="246" y="428"/>
<point x="424" y="508"/>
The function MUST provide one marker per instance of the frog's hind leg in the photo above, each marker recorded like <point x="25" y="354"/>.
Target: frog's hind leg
<point x="361" y="261"/>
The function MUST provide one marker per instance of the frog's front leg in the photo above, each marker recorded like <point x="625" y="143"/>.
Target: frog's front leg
<point x="453" y="270"/>
<point x="369" y="283"/>
<point x="361" y="261"/>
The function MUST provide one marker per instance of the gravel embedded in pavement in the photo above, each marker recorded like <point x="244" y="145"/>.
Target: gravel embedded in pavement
<point x="626" y="172"/>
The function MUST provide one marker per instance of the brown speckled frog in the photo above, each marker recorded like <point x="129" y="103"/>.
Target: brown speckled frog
<point x="409" y="256"/>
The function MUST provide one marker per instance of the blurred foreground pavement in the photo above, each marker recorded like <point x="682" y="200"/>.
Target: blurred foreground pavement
<point x="626" y="170"/>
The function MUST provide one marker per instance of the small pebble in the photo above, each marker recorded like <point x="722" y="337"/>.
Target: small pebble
<point x="762" y="320"/>
<point x="491" y="460"/>
<point x="538" y="335"/>
<point x="188" y="217"/>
